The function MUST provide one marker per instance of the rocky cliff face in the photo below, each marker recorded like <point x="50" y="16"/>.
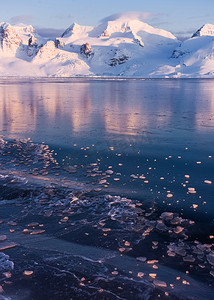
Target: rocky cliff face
<point x="207" y="29"/>
<point x="86" y="50"/>
<point x="10" y="41"/>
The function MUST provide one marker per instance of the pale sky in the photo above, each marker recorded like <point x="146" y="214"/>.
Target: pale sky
<point x="181" y="17"/>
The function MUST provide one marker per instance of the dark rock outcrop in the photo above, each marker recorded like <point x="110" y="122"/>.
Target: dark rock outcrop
<point x="59" y="43"/>
<point x="86" y="50"/>
<point x="118" y="61"/>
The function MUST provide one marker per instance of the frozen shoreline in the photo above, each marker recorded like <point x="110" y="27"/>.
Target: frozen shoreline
<point x="110" y="234"/>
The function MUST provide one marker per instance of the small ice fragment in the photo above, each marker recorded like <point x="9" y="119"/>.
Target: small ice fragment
<point x="189" y="258"/>
<point x="34" y="232"/>
<point x="169" y="195"/>
<point x="142" y="259"/>
<point x="167" y="215"/>
<point x="151" y="262"/>
<point x="12" y="223"/>
<point x="102" y="181"/>
<point x="109" y="172"/>
<point x="178" y="229"/>
<point x="191" y="190"/>
<point x="34" y="224"/>
<point x="122" y="249"/>
<point x="114" y="273"/>
<point x="160" y="283"/>
<point x="210" y="258"/>
<point x="3" y="238"/>
<point x="170" y="253"/>
<point x="140" y="274"/>
<point x="207" y="181"/>
<point x="28" y="273"/>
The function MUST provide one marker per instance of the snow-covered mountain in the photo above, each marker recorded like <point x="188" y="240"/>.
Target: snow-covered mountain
<point x="195" y="56"/>
<point x="120" y="47"/>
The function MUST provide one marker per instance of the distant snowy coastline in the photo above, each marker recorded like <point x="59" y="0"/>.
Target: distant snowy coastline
<point x="122" y="47"/>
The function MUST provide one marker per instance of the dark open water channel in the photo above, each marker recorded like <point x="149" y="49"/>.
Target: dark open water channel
<point x="66" y="144"/>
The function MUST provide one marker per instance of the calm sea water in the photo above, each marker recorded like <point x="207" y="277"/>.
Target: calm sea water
<point x="150" y="141"/>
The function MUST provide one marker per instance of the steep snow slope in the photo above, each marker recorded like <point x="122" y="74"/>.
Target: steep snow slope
<point x="195" y="56"/>
<point x="120" y="47"/>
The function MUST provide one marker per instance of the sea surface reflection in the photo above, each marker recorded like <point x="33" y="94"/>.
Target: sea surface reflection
<point x="149" y="111"/>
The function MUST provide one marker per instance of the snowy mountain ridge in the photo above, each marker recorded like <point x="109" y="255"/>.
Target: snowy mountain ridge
<point x="121" y="47"/>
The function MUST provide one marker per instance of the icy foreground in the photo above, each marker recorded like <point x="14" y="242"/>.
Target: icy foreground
<point x="123" y="47"/>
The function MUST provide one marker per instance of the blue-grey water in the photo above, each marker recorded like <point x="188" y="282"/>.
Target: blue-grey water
<point x="156" y="137"/>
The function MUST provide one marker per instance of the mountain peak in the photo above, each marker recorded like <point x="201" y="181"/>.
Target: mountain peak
<point x="132" y="25"/>
<point x="206" y="29"/>
<point x="75" y="29"/>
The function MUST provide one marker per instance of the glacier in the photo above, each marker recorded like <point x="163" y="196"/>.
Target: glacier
<point x="121" y="47"/>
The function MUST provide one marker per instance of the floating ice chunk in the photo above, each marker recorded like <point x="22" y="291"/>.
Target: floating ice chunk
<point x="3" y="238"/>
<point x="5" y="264"/>
<point x="134" y="176"/>
<point x="70" y="169"/>
<point x="207" y="181"/>
<point x="191" y="190"/>
<point x="7" y="245"/>
<point x="127" y="244"/>
<point x="152" y="262"/>
<point x="178" y="229"/>
<point x="167" y="215"/>
<point x="160" y="283"/>
<point x="161" y="226"/>
<point x="122" y="249"/>
<point x="28" y="273"/>
<point x="34" y="232"/>
<point x="114" y="273"/>
<point x="102" y="181"/>
<point x="189" y="258"/>
<point x="170" y="253"/>
<point x="142" y="259"/>
<point x="169" y="195"/>
<point x="210" y="258"/>
<point x="34" y="224"/>
<point x="109" y="172"/>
